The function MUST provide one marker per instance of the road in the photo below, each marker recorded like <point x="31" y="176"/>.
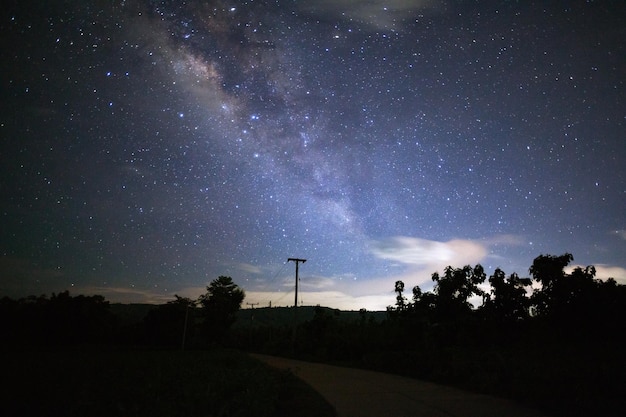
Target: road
<point x="360" y="393"/>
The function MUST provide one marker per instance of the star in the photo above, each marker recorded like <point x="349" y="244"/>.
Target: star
<point x="150" y="146"/>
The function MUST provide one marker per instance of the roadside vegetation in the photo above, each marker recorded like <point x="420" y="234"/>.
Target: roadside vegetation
<point x="71" y="356"/>
<point x="557" y="345"/>
<point x="126" y="382"/>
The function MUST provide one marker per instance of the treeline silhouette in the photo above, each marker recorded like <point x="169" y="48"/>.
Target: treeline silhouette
<point x="66" y="320"/>
<point x="59" y="320"/>
<point x="559" y="346"/>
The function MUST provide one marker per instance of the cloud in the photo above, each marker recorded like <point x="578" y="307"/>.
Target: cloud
<point x="377" y="293"/>
<point x="604" y="272"/>
<point x="127" y="295"/>
<point x="252" y="269"/>
<point x="316" y="282"/>
<point x="429" y="253"/>
<point x="334" y="299"/>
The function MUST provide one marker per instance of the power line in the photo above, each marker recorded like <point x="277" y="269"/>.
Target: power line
<point x="274" y="279"/>
<point x="280" y="270"/>
<point x="281" y="297"/>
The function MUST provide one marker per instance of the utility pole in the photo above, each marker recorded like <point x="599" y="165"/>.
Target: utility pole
<point x="253" y="304"/>
<point x="295" y="305"/>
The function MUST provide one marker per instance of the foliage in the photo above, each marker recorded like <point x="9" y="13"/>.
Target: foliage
<point x="448" y="300"/>
<point x="559" y="359"/>
<point x="167" y="324"/>
<point x="548" y="271"/>
<point x="508" y="301"/>
<point x="60" y="319"/>
<point x="146" y="383"/>
<point x="455" y="288"/>
<point x="400" y="299"/>
<point x="219" y="306"/>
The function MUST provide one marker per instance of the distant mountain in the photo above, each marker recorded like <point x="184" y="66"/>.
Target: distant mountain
<point x="255" y="317"/>
<point x="284" y="316"/>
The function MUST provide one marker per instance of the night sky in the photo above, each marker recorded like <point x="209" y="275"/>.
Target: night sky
<point x="148" y="147"/>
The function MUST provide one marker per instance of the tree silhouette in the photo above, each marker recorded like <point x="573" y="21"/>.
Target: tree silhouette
<point x="424" y="303"/>
<point x="455" y="288"/>
<point x="60" y="319"/>
<point x="219" y="306"/>
<point x="165" y="324"/>
<point x="508" y="300"/>
<point x="400" y="299"/>
<point x="547" y="270"/>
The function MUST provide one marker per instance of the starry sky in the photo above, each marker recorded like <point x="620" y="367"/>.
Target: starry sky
<point x="150" y="146"/>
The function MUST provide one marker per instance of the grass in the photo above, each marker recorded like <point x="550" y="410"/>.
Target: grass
<point x="153" y="383"/>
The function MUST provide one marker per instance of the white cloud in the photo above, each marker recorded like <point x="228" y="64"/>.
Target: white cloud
<point x="127" y="295"/>
<point x="604" y="272"/>
<point x="252" y="269"/>
<point x="428" y="253"/>
<point x="316" y="282"/>
<point x="418" y="259"/>
<point x="334" y="299"/>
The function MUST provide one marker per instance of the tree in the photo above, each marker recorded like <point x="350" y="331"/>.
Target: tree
<point x="424" y="303"/>
<point x="219" y="306"/>
<point x="400" y="299"/>
<point x="166" y="324"/>
<point x="455" y="288"/>
<point x="61" y="319"/>
<point x="577" y="305"/>
<point x="508" y="301"/>
<point x="548" y="270"/>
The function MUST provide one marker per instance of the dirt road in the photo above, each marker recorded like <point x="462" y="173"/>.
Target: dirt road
<point x="359" y="393"/>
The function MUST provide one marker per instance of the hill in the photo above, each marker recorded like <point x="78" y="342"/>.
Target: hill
<point x="254" y="317"/>
<point x="284" y="316"/>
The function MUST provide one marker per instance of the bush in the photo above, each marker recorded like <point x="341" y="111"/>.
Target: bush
<point x="142" y="383"/>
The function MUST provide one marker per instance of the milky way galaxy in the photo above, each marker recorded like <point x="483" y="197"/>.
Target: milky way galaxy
<point x="150" y="146"/>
